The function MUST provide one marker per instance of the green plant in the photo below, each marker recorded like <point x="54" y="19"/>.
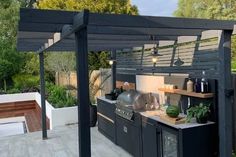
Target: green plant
<point x="233" y="154"/>
<point x="198" y="112"/>
<point x="13" y="91"/>
<point x="59" y="97"/>
<point x="24" y="81"/>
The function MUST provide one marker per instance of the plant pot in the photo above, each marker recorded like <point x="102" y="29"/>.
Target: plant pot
<point x="93" y="115"/>
<point x="202" y="120"/>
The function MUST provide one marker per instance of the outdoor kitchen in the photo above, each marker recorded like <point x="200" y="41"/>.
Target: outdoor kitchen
<point x="169" y="115"/>
<point x="145" y="123"/>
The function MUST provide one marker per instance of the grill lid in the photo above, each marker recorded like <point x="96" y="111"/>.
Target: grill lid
<point x="133" y="100"/>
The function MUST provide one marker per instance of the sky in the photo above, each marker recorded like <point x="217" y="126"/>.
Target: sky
<point x="156" y="7"/>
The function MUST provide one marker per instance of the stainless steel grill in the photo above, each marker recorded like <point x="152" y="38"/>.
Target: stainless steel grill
<point x="133" y="101"/>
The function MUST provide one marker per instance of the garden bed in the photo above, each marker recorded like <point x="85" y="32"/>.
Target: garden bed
<point x="57" y="116"/>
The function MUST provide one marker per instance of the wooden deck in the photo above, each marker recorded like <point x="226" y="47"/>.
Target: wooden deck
<point x="29" y="109"/>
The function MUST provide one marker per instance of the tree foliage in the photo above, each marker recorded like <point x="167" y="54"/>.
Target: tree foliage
<point x="99" y="6"/>
<point x="11" y="60"/>
<point x="98" y="60"/>
<point x="212" y="9"/>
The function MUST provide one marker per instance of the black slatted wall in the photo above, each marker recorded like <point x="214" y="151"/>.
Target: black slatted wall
<point x="196" y="56"/>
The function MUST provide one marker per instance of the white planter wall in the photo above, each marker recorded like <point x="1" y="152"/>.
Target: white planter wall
<point x="63" y="116"/>
<point x="57" y="116"/>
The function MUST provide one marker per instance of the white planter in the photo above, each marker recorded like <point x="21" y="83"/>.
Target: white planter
<point x="57" y="116"/>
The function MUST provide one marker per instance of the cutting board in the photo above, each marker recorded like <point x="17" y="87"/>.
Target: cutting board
<point x="175" y="121"/>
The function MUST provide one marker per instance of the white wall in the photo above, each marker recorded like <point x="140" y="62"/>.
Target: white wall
<point x="63" y="116"/>
<point x="147" y="84"/>
<point x="57" y="116"/>
<point x="7" y="98"/>
<point x="49" y="108"/>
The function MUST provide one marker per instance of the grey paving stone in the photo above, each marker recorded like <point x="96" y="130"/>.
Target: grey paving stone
<point x="62" y="142"/>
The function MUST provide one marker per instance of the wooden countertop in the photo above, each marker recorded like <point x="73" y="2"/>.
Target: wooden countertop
<point x="155" y="115"/>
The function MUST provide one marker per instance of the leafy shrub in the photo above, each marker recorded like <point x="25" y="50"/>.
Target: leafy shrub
<point x="13" y="90"/>
<point x="25" y="81"/>
<point x="59" y="97"/>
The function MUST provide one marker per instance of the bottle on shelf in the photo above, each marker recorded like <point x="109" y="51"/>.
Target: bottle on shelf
<point x="197" y="86"/>
<point x="204" y="83"/>
<point x="190" y="85"/>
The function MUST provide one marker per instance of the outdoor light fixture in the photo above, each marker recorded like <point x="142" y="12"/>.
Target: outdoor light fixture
<point x="178" y="62"/>
<point x="111" y="61"/>
<point x="155" y="55"/>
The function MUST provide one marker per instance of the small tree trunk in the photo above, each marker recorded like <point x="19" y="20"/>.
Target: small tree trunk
<point x="5" y="85"/>
<point x="68" y="83"/>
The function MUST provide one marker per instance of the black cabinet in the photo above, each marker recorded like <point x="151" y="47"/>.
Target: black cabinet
<point x="161" y="140"/>
<point x="150" y="139"/>
<point x="128" y="136"/>
<point x="106" y="118"/>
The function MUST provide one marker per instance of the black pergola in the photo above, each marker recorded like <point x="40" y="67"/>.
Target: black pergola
<point x="50" y="30"/>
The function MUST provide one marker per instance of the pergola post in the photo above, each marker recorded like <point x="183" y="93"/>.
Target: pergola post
<point x="225" y="94"/>
<point x="113" y="70"/>
<point x="83" y="89"/>
<point x="42" y="93"/>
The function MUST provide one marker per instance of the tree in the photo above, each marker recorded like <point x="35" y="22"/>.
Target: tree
<point x="99" y="6"/>
<point x="27" y="3"/>
<point x="5" y="71"/>
<point x="11" y="60"/>
<point x="61" y="62"/>
<point x="98" y="60"/>
<point x="211" y="9"/>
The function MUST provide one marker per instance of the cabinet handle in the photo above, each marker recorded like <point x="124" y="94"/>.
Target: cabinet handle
<point x="125" y="129"/>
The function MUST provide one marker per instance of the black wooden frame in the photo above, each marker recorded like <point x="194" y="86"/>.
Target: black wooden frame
<point x="84" y="31"/>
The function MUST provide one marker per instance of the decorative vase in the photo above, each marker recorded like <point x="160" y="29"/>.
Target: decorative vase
<point x="93" y="115"/>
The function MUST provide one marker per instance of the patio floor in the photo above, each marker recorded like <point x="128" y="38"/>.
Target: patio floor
<point x="62" y="142"/>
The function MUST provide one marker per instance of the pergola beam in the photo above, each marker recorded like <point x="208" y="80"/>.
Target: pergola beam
<point x="83" y="99"/>
<point x="42" y="94"/>
<point x="225" y="94"/>
<point x="112" y="20"/>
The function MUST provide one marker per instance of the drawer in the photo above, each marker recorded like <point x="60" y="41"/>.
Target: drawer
<point x="106" y="109"/>
<point x="106" y="127"/>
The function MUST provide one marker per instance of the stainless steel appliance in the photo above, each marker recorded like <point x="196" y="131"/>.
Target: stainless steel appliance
<point x="129" y="121"/>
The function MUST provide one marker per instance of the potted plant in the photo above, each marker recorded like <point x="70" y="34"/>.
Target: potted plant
<point x="93" y="114"/>
<point x="200" y="112"/>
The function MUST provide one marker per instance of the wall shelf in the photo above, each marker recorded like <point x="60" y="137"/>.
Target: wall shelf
<point x="184" y="92"/>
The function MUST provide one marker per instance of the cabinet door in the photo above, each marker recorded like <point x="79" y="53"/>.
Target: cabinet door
<point x="128" y="136"/>
<point x="149" y="135"/>
<point x="169" y="142"/>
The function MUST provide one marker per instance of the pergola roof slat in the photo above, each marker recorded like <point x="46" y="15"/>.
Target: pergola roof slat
<point x="46" y="16"/>
<point x="143" y="31"/>
<point x="49" y="29"/>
